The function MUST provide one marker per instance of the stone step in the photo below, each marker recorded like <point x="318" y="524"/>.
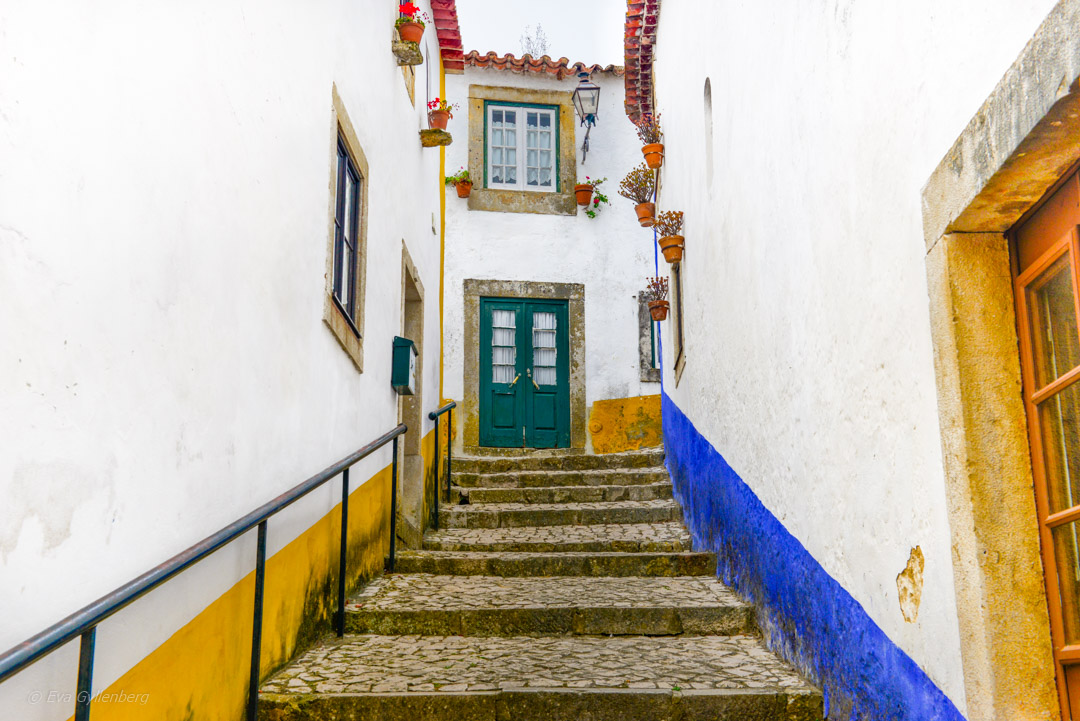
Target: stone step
<point x="618" y="537"/>
<point x="427" y="604"/>
<point x="550" y="479"/>
<point x="567" y="494"/>
<point x="556" y="461"/>
<point x="508" y="564"/>
<point x="555" y="678"/>
<point x="513" y="515"/>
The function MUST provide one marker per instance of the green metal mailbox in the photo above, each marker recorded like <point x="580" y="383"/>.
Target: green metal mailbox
<point x="403" y="370"/>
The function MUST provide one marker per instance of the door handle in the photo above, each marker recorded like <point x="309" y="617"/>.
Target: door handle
<point x="514" y="381"/>
<point x="532" y="379"/>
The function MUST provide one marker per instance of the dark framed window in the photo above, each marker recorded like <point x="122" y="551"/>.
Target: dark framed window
<point x="347" y="234"/>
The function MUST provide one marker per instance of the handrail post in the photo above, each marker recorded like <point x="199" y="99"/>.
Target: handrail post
<point x="256" y="626"/>
<point x="438" y="464"/>
<point x="449" y="450"/>
<point x="86" y="675"/>
<point x="393" y="506"/>
<point x="340" y="620"/>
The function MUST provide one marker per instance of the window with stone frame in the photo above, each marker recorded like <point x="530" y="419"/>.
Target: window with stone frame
<point x="521" y="147"/>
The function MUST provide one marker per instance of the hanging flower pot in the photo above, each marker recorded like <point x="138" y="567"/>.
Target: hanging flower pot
<point x="658" y="309"/>
<point x="672" y="247"/>
<point x="638" y="186"/>
<point x="646" y="213"/>
<point x="651" y="136"/>
<point x="656" y="296"/>
<point x="461" y="181"/>
<point x="583" y="191"/>
<point x="438" y="119"/>
<point x="411" y="32"/>
<point x="654" y="155"/>
<point x="669" y="228"/>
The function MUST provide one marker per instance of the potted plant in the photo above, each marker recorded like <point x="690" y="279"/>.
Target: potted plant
<point x="583" y="192"/>
<point x="656" y="296"/>
<point x="648" y="130"/>
<point x="669" y="227"/>
<point x="440" y="112"/>
<point x="410" y="25"/>
<point x="638" y="186"/>
<point x="593" y="208"/>
<point x="460" y="180"/>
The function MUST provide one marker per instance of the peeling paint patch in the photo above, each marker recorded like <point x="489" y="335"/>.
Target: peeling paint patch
<point x="909" y="585"/>
<point x="805" y="615"/>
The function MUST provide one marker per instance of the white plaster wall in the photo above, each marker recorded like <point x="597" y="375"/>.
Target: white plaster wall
<point x="611" y="254"/>
<point x="164" y="172"/>
<point x="809" y="360"/>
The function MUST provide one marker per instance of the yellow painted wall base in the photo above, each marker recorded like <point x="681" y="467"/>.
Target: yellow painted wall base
<point x="201" y="671"/>
<point x="626" y="424"/>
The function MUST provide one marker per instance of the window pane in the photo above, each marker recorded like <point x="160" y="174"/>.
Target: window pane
<point x="503" y="319"/>
<point x="531" y="177"/>
<point x="350" y="191"/>
<point x="544" y="356"/>
<point x="545" y="376"/>
<point x="532" y="158"/>
<point x="545" y="159"/>
<point x="545" y="140"/>
<point x="502" y="374"/>
<point x="511" y="138"/>
<point x="530" y="139"/>
<point x="497" y="118"/>
<point x="497" y="156"/>
<point x="544" y="321"/>
<point x="503" y="337"/>
<point x="545" y="120"/>
<point x="1067" y="555"/>
<point x="511" y="174"/>
<point x="531" y="120"/>
<point x="1052" y="315"/>
<point x="345" y="277"/>
<point x="511" y="156"/>
<point x="496" y="137"/>
<point x="496" y="175"/>
<point x="545" y="176"/>
<point x="511" y="118"/>
<point x="1059" y="423"/>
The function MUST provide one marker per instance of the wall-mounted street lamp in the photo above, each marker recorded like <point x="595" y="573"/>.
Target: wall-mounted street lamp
<point x="587" y="104"/>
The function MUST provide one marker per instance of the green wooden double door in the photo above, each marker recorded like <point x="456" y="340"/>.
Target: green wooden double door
<point x="524" y="373"/>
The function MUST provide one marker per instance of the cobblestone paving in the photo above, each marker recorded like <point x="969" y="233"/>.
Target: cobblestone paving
<point x="670" y="536"/>
<point x="421" y="591"/>
<point x="399" y="664"/>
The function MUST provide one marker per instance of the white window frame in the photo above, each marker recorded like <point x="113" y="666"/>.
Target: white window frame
<point x="520" y="148"/>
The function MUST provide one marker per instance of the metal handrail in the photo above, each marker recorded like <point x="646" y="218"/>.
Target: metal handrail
<point x="84" y="622"/>
<point x="434" y="415"/>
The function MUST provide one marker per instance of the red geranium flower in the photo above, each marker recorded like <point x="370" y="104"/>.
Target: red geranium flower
<point x="408" y="9"/>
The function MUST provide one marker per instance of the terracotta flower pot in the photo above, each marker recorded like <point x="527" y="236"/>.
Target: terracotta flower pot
<point x="672" y="247"/>
<point x="646" y="214"/>
<point x="658" y="309"/>
<point x="654" y="154"/>
<point x="438" y="119"/>
<point x="463" y="188"/>
<point x="583" y="191"/>
<point x="411" y="32"/>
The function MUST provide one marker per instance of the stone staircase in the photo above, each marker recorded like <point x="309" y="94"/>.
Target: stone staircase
<point x="560" y="587"/>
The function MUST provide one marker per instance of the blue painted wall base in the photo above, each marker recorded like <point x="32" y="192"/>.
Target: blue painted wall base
<point x="806" y="615"/>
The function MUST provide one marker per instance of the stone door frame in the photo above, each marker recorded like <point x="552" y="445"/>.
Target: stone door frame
<point x="1021" y="142"/>
<point x="474" y="289"/>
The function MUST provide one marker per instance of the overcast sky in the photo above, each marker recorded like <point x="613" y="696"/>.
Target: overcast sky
<point x="590" y="31"/>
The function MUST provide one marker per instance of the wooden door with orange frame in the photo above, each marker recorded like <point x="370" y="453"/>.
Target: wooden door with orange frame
<point x="1046" y="263"/>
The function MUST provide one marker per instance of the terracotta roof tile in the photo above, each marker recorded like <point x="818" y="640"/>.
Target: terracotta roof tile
<point x="642" y="17"/>
<point x="560" y="68"/>
<point x="449" y="34"/>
